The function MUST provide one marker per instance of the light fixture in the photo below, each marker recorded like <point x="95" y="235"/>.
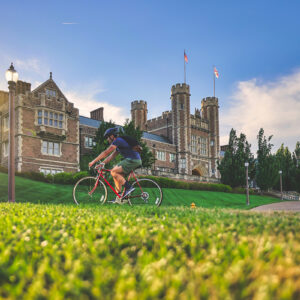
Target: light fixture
<point x="11" y="74"/>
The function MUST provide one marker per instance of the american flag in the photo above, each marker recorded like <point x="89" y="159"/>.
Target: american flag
<point x="185" y="57"/>
<point x="216" y="72"/>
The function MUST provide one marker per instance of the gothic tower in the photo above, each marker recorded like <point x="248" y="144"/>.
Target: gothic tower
<point x="180" y="97"/>
<point x="139" y="113"/>
<point x="210" y="111"/>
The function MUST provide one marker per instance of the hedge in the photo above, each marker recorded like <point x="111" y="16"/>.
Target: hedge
<point x="72" y="178"/>
<point x="199" y="186"/>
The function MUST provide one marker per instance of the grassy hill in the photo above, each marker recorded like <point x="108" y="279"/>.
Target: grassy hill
<point x="44" y="193"/>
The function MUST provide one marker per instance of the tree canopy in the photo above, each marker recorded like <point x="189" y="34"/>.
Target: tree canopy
<point x="232" y="166"/>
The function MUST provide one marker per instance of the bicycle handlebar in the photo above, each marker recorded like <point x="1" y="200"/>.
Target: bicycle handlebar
<point x="100" y="166"/>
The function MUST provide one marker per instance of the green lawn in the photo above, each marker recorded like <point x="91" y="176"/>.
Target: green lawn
<point x="121" y="252"/>
<point x="50" y="251"/>
<point x="43" y="193"/>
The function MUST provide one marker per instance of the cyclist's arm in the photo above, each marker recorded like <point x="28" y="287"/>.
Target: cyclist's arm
<point x="102" y="155"/>
<point x="111" y="157"/>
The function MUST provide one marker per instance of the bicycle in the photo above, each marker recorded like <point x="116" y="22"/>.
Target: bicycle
<point x="93" y="190"/>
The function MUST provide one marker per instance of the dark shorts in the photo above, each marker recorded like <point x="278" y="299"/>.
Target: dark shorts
<point x="129" y="164"/>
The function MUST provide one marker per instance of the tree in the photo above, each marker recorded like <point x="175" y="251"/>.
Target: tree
<point x="267" y="166"/>
<point x="288" y="168"/>
<point x="146" y="155"/>
<point x="232" y="166"/>
<point x="128" y="129"/>
<point x="296" y="155"/>
<point x="296" y="160"/>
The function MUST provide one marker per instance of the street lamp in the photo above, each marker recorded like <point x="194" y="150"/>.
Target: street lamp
<point x="247" y="185"/>
<point x="280" y="174"/>
<point x="154" y="152"/>
<point x="12" y="77"/>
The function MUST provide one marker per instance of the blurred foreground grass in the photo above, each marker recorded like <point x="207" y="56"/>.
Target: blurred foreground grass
<point x="119" y="252"/>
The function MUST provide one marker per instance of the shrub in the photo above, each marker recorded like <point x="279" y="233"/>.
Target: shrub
<point x="80" y="175"/>
<point x="63" y="178"/>
<point x="242" y="190"/>
<point x="198" y="186"/>
<point x="3" y="169"/>
<point x="33" y="175"/>
<point x="50" y="178"/>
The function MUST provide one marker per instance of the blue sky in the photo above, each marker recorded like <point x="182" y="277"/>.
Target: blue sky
<point x="119" y="51"/>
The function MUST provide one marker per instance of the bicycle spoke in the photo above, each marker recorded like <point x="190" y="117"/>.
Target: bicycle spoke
<point x="87" y="192"/>
<point x="147" y="192"/>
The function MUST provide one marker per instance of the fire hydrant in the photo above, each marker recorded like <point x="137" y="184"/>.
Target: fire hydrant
<point x="193" y="205"/>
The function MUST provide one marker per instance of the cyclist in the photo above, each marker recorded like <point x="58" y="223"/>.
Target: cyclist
<point x="131" y="161"/>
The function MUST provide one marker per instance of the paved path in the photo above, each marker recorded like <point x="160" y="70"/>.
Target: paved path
<point x="290" y="206"/>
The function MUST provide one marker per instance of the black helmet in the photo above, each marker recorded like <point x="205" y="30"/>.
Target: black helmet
<point x="111" y="131"/>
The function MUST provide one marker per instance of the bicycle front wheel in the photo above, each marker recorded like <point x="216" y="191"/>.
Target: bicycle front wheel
<point x="87" y="191"/>
<point x="147" y="192"/>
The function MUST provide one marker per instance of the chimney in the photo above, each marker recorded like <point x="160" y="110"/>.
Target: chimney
<point x="97" y="114"/>
<point x="22" y="87"/>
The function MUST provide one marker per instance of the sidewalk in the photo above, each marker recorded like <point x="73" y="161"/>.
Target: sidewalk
<point x="291" y="206"/>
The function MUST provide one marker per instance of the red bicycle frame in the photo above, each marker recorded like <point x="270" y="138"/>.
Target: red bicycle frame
<point x="100" y="174"/>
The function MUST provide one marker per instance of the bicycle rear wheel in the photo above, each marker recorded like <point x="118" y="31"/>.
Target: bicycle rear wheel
<point x="86" y="192"/>
<point x="147" y="192"/>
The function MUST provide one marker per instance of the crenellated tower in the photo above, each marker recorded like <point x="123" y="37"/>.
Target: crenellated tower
<point x="139" y="113"/>
<point x="181" y="127"/>
<point x="210" y="112"/>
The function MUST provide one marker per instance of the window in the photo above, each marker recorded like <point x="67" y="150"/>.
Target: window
<point x="6" y="123"/>
<point x="160" y="155"/>
<point x="50" y="93"/>
<point x="194" y="144"/>
<point x="5" y="148"/>
<point x="203" y="145"/>
<point x="51" y="171"/>
<point x="88" y="142"/>
<point x="49" y="118"/>
<point x="50" y="148"/>
<point x="172" y="157"/>
<point x="182" y="163"/>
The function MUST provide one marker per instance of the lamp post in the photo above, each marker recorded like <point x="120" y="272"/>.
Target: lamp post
<point x="11" y="77"/>
<point x="280" y="174"/>
<point x="154" y="152"/>
<point x="247" y="185"/>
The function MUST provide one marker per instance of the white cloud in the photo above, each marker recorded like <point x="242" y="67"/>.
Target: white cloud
<point x="273" y="106"/>
<point x="29" y="65"/>
<point x="85" y="99"/>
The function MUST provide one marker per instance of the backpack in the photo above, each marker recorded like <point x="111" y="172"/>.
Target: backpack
<point x="133" y="143"/>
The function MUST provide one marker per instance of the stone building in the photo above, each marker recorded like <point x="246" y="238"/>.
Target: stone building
<point x="47" y="129"/>
<point x="191" y="141"/>
<point x="185" y="145"/>
<point x="51" y="136"/>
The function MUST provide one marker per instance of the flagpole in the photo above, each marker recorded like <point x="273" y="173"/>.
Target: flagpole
<point x="214" y="83"/>
<point x="184" y="67"/>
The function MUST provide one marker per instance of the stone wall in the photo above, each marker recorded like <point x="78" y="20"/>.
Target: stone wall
<point x="161" y="125"/>
<point x="30" y="134"/>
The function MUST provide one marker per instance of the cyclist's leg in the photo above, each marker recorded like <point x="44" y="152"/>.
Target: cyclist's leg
<point x="118" y="177"/>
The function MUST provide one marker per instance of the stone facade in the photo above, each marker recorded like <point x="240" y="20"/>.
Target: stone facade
<point x="191" y="139"/>
<point x="51" y="136"/>
<point x="47" y="129"/>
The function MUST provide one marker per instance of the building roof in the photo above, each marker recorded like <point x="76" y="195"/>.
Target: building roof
<point x="89" y="122"/>
<point x="155" y="137"/>
<point x="146" y="135"/>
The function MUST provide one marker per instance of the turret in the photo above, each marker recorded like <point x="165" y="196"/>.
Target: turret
<point x="180" y="97"/>
<point x="139" y="113"/>
<point x="97" y="114"/>
<point x="210" y="111"/>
